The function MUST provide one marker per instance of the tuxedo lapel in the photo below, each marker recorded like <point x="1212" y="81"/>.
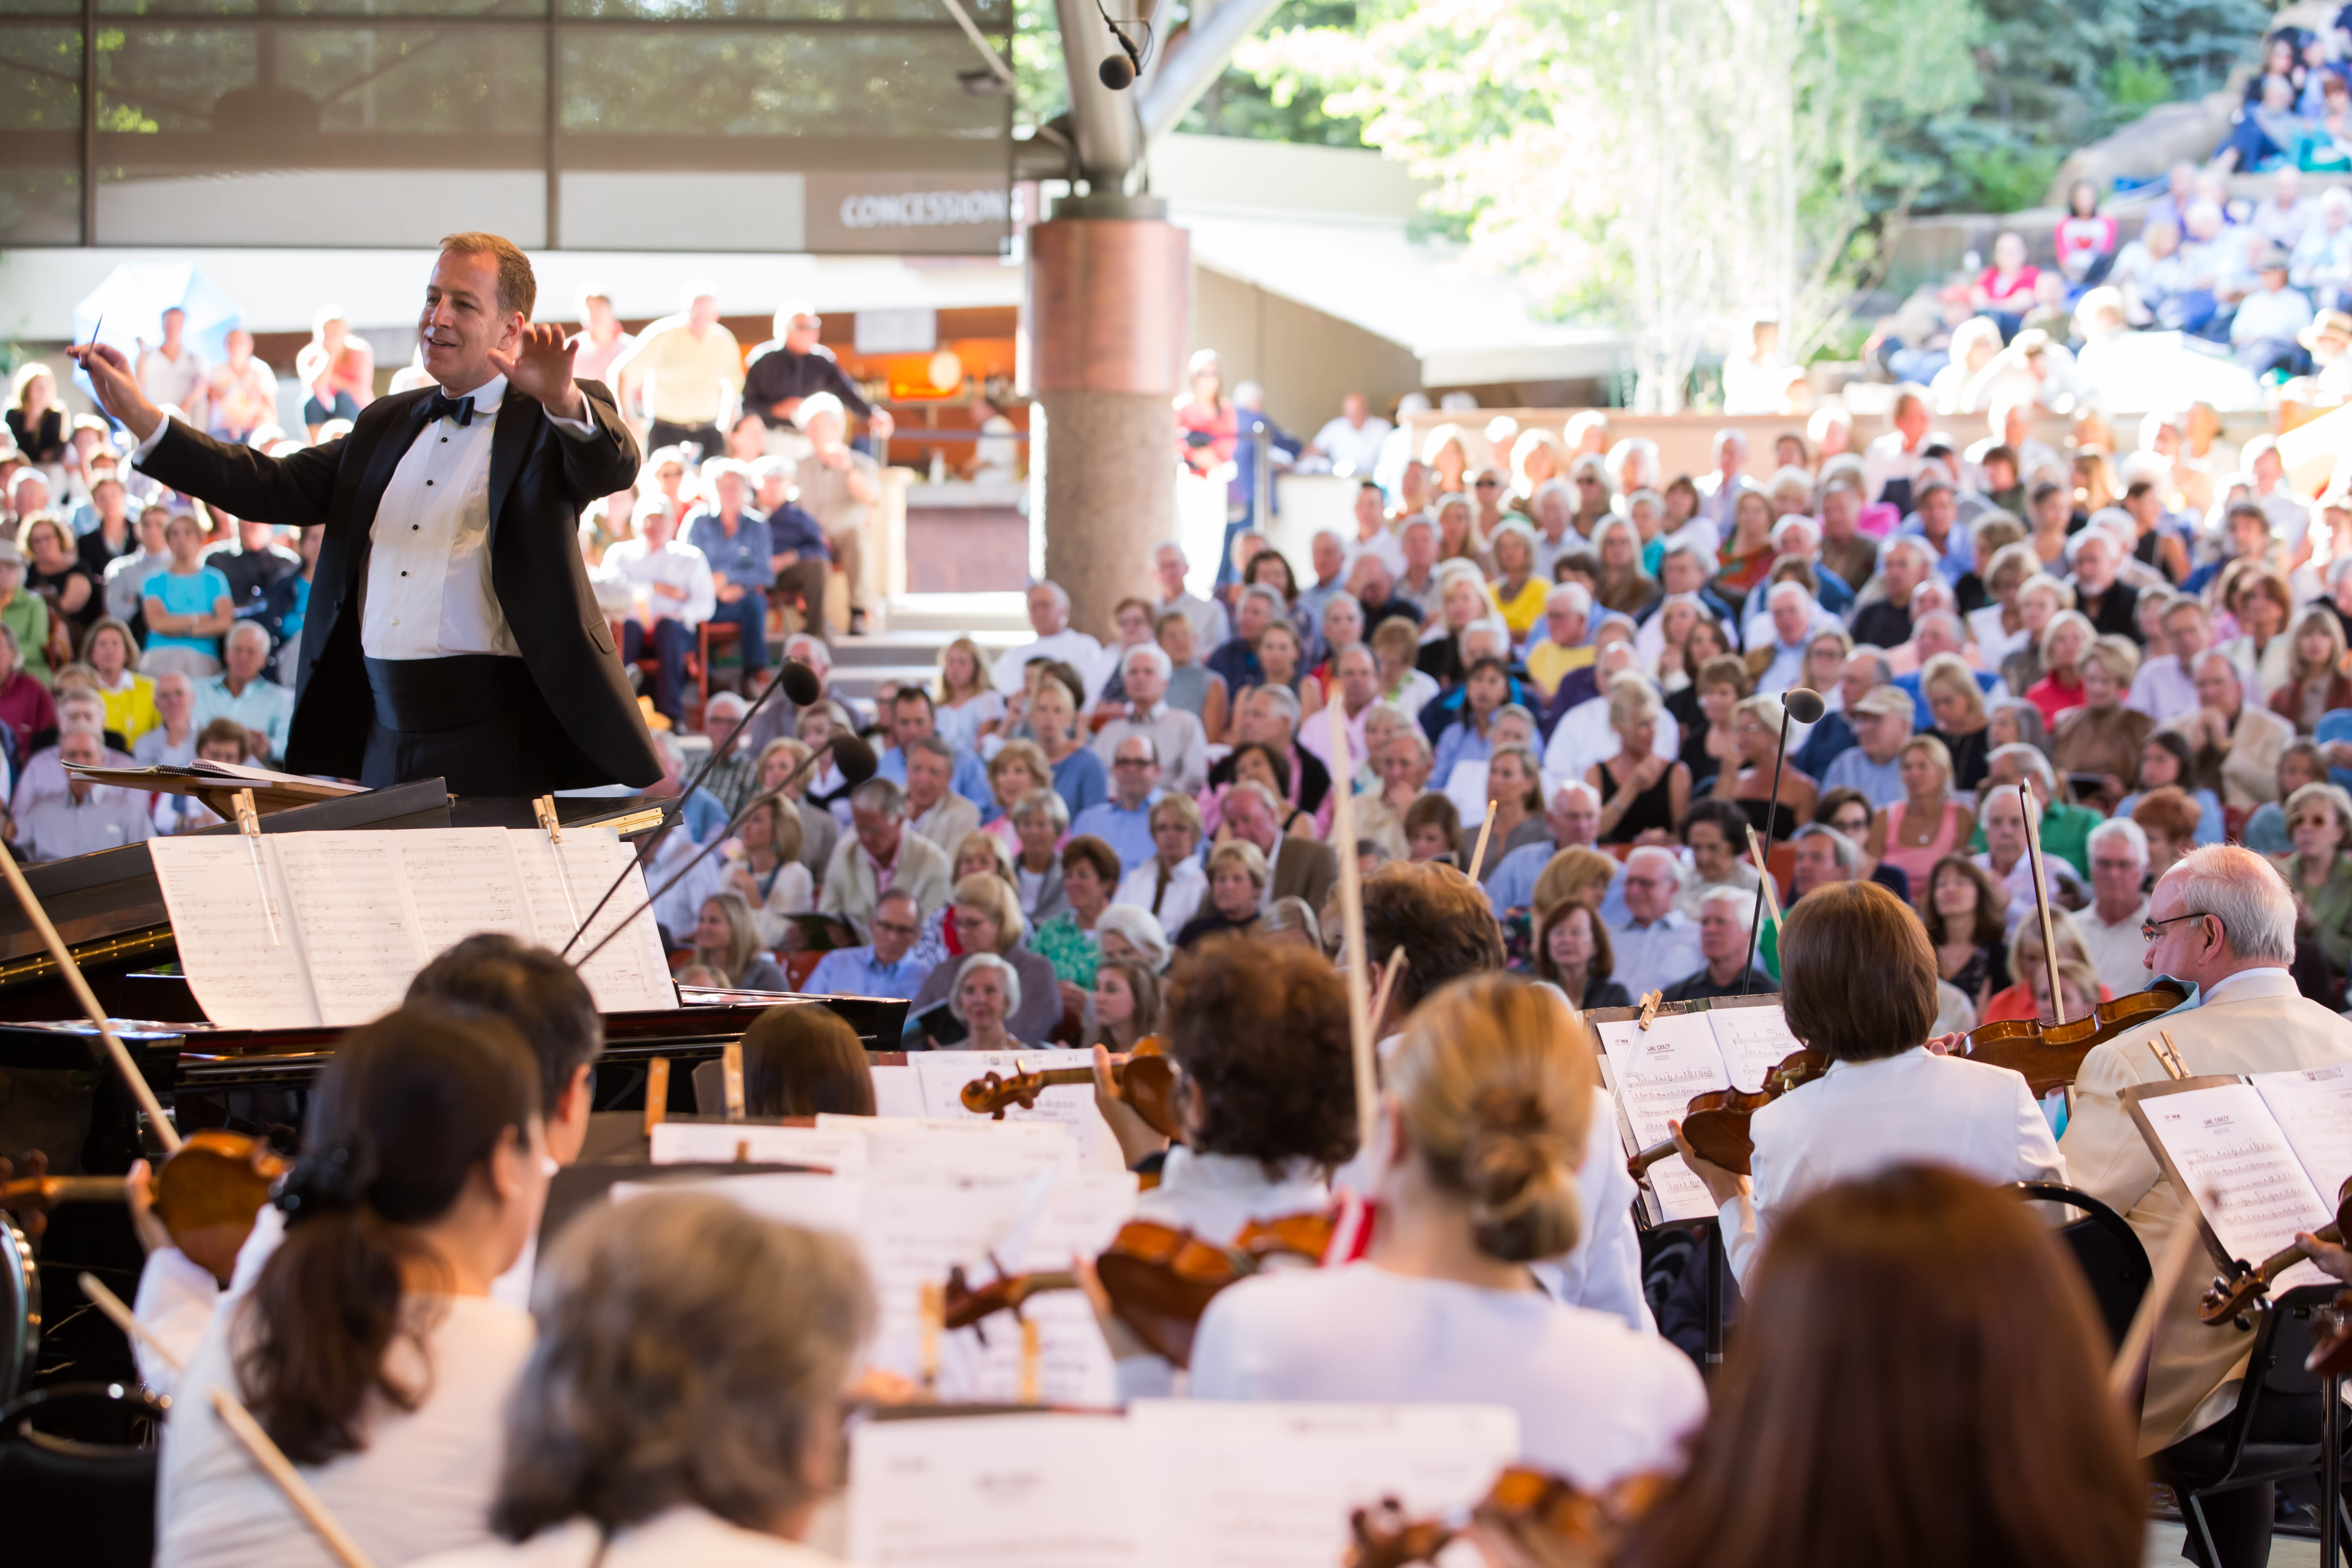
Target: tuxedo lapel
<point x="510" y="440"/>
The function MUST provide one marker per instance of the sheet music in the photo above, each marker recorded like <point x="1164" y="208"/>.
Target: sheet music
<point x="240" y="978"/>
<point x="462" y="881"/>
<point x="835" y="1203"/>
<point x="896" y="1092"/>
<point x="1078" y="1215"/>
<point x="1037" y="1491"/>
<point x="351" y="916"/>
<point x="632" y="975"/>
<point x="1271" y="1484"/>
<point x="1655" y="1073"/>
<point x="913" y="1232"/>
<point x="972" y="1147"/>
<point x="2238" y="1162"/>
<point x="2313" y="1108"/>
<point x="1753" y="1041"/>
<point x="839" y="1150"/>
<point x="1069" y="1106"/>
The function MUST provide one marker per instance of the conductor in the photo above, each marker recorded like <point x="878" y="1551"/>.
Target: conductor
<point x="451" y="631"/>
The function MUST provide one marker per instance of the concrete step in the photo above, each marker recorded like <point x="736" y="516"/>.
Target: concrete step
<point x="1003" y="615"/>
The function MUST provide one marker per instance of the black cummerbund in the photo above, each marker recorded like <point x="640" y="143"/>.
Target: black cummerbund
<point x="421" y="695"/>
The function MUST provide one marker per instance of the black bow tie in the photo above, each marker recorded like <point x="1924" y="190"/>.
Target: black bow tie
<point x="458" y="411"/>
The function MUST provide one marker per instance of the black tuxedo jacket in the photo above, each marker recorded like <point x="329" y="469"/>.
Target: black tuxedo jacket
<point x="541" y="480"/>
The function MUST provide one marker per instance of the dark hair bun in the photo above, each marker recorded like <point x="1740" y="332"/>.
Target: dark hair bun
<point x="332" y="1180"/>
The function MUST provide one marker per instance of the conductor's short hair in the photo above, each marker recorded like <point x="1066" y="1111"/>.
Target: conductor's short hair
<point x="517" y="287"/>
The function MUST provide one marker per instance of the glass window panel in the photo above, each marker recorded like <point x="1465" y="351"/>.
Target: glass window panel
<point x="394" y="10"/>
<point x="40" y="111"/>
<point x="991" y="15"/>
<point x="454" y="83"/>
<point x="718" y="82"/>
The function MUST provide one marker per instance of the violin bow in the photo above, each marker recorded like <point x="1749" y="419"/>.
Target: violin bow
<point x="2030" y="811"/>
<point x="111" y="1046"/>
<point x="1354" y="953"/>
<point x="94" y="1289"/>
<point x="280" y="1469"/>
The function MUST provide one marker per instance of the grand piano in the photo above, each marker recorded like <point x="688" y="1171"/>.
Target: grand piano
<point x="55" y="1094"/>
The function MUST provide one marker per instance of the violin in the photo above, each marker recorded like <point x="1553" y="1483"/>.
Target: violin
<point x="205" y="1194"/>
<point x="1147" y="1080"/>
<point x="2232" y="1293"/>
<point x="1159" y="1278"/>
<point x="2049" y="1055"/>
<point x="1715" y="1123"/>
<point x="1528" y="1517"/>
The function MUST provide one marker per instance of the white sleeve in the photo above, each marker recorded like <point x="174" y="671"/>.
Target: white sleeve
<point x="1604" y="1272"/>
<point x="176" y="1302"/>
<point x="578" y="429"/>
<point x="1742" y="1236"/>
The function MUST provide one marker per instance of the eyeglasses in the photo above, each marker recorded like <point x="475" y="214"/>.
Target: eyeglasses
<point x="1132" y="762"/>
<point x="1484" y="484"/>
<point x="893" y="929"/>
<point x="2150" y="929"/>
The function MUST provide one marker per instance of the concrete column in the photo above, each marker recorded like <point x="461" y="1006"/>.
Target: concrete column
<point x="1109" y="300"/>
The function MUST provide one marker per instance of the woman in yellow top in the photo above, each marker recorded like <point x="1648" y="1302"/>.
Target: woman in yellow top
<point x="1518" y="593"/>
<point x="110" y="649"/>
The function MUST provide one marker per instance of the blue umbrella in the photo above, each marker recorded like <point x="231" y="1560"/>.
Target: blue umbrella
<point x="131" y="304"/>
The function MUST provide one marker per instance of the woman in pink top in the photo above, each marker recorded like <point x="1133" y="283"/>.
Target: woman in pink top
<point x="2084" y="237"/>
<point x="1916" y="832"/>
<point x="2005" y="290"/>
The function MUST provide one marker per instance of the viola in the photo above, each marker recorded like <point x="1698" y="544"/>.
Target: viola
<point x="1159" y="1278"/>
<point x="2049" y="1055"/>
<point x="2232" y="1293"/>
<point x="1147" y="1080"/>
<point x="1526" y="1516"/>
<point x="206" y="1194"/>
<point x="1715" y="1123"/>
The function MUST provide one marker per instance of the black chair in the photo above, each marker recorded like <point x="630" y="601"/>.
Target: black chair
<point x="20" y="1309"/>
<point x="2223" y="1456"/>
<point x="78" y="1474"/>
<point x="2103" y="1245"/>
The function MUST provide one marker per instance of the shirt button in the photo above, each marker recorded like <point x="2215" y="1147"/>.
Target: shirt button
<point x="428" y="484"/>
<point x="403" y="573"/>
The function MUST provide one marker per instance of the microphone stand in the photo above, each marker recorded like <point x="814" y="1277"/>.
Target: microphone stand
<point x="678" y="807"/>
<point x="1772" y="812"/>
<point x="722" y="837"/>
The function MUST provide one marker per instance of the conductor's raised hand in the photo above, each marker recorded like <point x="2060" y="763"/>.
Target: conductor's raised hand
<point x="118" y="390"/>
<point x="540" y="366"/>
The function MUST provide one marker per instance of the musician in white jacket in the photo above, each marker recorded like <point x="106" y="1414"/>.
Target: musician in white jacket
<point x="1886" y="1098"/>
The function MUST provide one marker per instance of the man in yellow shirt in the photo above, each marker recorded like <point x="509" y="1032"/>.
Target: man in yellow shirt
<point x="686" y="374"/>
<point x="1567" y="608"/>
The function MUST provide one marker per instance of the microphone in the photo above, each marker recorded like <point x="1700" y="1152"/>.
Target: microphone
<point x="800" y="683"/>
<point x="850" y="753"/>
<point x="1803" y="704"/>
<point x="1118" y="71"/>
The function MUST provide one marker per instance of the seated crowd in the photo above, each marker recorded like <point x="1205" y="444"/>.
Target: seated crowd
<point x="2156" y="676"/>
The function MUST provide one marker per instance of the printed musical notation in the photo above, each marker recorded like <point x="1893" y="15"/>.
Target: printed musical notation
<point x="1656" y="1072"/>
<point x="240" y="977"/>
<point x="2233" y="1153"/>
<point x="351" y="917"/>
<point x="367" y="910"/>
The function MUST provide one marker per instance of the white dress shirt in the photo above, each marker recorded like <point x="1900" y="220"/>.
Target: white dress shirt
<point x="1583" y="737"/>
<point x="1353" y="448"/>
<point x="1596" y="1401"/>
<point x="630" y="564"/>
<point x="2162" y="689"/>
<point x="1860" y="1117"/>
<point x="1075" y="648"/>
<point x="1603" y="1273"/>
<point x="429" y="582"/>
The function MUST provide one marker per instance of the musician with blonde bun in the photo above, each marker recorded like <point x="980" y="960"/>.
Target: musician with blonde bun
<point x="1481" y="1123"/>
<point x="1886" y="1098"/>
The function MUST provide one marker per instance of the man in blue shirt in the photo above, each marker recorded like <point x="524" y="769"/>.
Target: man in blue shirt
<point x="1124" y="821"/>
<point x="735" y="542"/>
<point x="880" y="968"/>
<point x="912" y="714"/>
<point x="799" y="556"/>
